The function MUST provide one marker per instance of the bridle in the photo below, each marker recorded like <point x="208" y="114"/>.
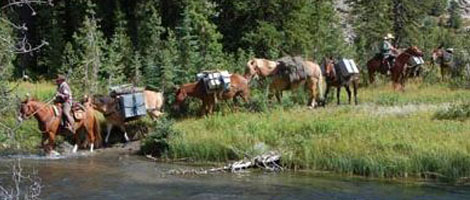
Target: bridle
<point x="35" y="112"/>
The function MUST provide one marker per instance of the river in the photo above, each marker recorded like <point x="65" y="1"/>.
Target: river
<point x="111" y="176"/>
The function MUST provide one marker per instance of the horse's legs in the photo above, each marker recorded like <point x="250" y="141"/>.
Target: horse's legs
<point x="91" y="136"/>
<point x="77" y="140"/>
<point x="50" y="144"/>
<point x="125" y="133"/>
<point x="312" y="89"/>
<point x="371" y="75"/>
<point x="338" y="92"/>
<point x="108" y="132"/>
<point x="279" y="96"/>
<point x="348" y="90"/>
<point x="355" y="91"/>
<point x="325" y="97"/>
<point x="44" y="138"/>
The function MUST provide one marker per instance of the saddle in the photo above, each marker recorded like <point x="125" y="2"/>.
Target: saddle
<point x="78" y="111"/>
<point x="385" y="62"/>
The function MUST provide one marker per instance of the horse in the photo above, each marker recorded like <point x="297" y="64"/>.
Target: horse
<point x="446" y="62"/>
<point x="267" y="68"/>
<point x="50" y="123"/>
<point x="238" y="88"/>
<point x="333" y="80"/>
<point x="109" y="107"/>
<point x="378" y="65"/>
<point x="401" y="70"/>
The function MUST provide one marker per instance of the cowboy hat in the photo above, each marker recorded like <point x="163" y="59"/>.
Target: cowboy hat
<point x="60" y="77"/>
<point x="451" y="50"/>
<point x="389" y="36"/>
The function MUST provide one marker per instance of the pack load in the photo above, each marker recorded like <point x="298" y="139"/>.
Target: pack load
<point x="292" y="67"/>
<point x="415" y="61"/>
<point x="131" y="100"/>
<point x="447" y="57"/>
<point x="347" y="67"/>
<point x="214" y="81"/>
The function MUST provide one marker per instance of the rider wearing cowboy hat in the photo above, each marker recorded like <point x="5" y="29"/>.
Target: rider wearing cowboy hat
<point x="387" y="50"/>
<point x="64" y="96"/>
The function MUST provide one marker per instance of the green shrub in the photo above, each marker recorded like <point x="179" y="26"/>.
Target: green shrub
<point x="155" y="143"/>
<point x="454" y="112"/>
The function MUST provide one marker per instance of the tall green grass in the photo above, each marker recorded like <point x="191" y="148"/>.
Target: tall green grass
<point x="341" y="139"/>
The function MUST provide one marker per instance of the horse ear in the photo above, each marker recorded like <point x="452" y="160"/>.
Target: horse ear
<point x="28" y="97"/>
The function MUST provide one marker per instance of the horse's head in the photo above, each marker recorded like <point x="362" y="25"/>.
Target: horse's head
<point x="259" y="67"/>
<point x="415" y="51"/>
<point x="104" y="104"/>
<point x="330" y="68"/>
<point x="437" y="54"/>
<point x="251" y="70"/>
<point x="26" y="109"/>
<point x="180" y="96"/>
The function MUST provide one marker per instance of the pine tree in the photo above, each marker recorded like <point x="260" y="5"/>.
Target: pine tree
<point x="150" y="42"/>
<point x="200" y="47"/>
<point x="372" y="21"/>
<point x="119" y="53"/>
<point x="90" y="42"/>
<point x="50" y="57"/>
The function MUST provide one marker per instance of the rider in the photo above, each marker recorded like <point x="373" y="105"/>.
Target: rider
<point x="64" y="96"/>
<point x="387" y="50"/>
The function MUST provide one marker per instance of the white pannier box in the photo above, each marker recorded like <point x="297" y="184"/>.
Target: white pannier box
<point x="348" y="67"/>
<point x="415" y="61"/>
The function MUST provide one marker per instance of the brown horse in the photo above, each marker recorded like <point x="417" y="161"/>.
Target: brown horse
<point x="50" y="123"/>
<point x="238" y="88"/>
<point x="377" y="65"/>
<point x="267" y="68"/>
<point x="108" y="106"/>
<point x="333" y="80"/>
<point x="401" y="70"/>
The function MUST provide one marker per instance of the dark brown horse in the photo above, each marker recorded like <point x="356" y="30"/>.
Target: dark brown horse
<point x="333" y="79"/>
<point x="401" y="70"/>
<point x="377" y="65"/>
<point x="238" y="88"/>
<point x="445" y="61"/>
<point x="50" y="123"/>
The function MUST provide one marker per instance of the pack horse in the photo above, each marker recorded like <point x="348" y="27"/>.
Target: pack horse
<point x="127" y="103"/>
<point x="211" y="86"/>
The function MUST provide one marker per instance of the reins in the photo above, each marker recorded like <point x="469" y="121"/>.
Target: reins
<point x="35" y="112"/>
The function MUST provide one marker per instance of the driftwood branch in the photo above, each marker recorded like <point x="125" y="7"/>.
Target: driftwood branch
<point x="269" y="161"/>
<point x="23" y="186"/>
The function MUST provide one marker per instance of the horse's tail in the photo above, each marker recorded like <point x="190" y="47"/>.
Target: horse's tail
<point x="97" y="132"/>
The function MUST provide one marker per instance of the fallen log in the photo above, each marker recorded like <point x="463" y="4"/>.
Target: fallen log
<point x="269" y="161"/>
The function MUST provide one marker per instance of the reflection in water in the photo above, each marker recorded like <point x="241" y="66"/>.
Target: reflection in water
<point x="132" y="177"/>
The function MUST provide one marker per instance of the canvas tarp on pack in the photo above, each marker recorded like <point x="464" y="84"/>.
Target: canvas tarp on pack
<point x="132" y="105"/>
<point x="124" y="89"/>
<point x="293" y="68"/>
<point x="215" y="81"/>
